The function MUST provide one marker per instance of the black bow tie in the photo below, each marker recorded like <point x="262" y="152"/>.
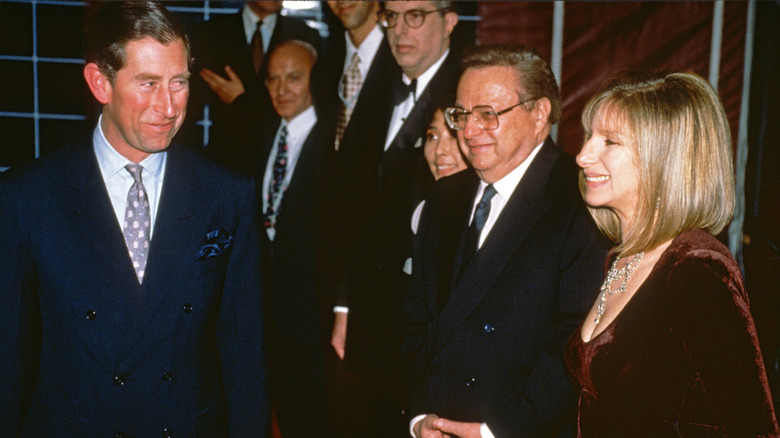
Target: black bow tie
<point x="401" y="91"/>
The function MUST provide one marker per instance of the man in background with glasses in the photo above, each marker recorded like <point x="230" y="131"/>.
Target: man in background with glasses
<point x="506" y="262"/>
<point x="380" y="183"/>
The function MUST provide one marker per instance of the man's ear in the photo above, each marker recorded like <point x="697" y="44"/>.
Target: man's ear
<point x="98" y="83"/>
<point x="542" y="109"/>
<point x="450" y="21"/>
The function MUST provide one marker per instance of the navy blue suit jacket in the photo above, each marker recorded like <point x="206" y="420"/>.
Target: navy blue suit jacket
<point x="494" y="352"/>
<point x="86" y="350"/>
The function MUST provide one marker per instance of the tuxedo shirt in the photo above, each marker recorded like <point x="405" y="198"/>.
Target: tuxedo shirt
<point x="402" y="110"/>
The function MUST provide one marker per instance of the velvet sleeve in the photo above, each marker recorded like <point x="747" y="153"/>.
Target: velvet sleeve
<point x="714" y="326"/>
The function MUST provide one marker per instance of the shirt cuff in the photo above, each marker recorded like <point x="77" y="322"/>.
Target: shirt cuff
<point x="340" y="309"/>
<point x="413" y="422"/>
<point x="484" y="431"/>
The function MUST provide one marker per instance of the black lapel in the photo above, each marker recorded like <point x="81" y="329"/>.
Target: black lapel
<point x="526" y="206"/>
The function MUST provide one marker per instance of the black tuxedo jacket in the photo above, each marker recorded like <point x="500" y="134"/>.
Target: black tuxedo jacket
<point x="379" y="190"/>
<point x="89" y="352"/>
<point x="494" y="352"/>
<point x="220" y="42"/>
<point x="298" y="320"/>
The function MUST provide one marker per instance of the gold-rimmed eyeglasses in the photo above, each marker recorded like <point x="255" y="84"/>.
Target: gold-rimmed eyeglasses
<point x="484" y="115"/>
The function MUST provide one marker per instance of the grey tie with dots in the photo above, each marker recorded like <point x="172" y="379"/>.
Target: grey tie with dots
<point x="137" y="221"/>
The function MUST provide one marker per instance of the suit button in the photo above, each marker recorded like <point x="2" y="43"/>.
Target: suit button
<point x="119" y="435"/>
<point x="187" y="307"/>
<point x="489" y="328"/>
<point x="167" y="376"/>
<point x="166" y="433"/>
<point x="119" y="381"/>
<point x="91" y="315"/>
<point x="470" y="382"/>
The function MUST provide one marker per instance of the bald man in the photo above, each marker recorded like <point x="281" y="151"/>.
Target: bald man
<point x="286" y="174"/>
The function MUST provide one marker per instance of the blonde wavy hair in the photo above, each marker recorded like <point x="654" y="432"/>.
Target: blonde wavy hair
<point x="677" y="132"/>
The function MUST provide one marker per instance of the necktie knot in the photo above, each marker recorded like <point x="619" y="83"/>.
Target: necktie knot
<point x="135" y="171"/>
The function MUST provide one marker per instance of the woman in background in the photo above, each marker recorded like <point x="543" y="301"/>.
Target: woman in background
<point x="669" y="349"/>
<point x="441" y="148"/>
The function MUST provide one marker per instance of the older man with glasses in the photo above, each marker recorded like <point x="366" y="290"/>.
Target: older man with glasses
<point x="506" y="263"/>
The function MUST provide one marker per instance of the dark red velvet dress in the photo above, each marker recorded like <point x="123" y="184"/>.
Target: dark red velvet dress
<point x="682" y="357"/>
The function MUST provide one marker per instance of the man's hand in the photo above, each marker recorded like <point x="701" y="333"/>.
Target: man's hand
<point x="426" y="428"/>
<point x="459" y="429"/>
<point x="338" y="338"/>
<point x="227" y="89"/>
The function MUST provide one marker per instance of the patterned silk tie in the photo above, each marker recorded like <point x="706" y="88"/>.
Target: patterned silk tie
<point x="349" y="87"/>
<point x="257" y="47"/>
<point x="137" y="222"/>
<point x="276" y="187"/>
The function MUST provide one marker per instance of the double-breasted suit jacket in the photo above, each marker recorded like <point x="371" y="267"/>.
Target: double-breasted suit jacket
<point x="220" y="42"/>
<point x="298" y="317"/>
<point x="87" y="351"/>
<point x="493" y="353"/>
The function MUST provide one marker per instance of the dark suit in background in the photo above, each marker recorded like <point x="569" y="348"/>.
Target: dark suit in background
<point x="219" y="42"/>
<point x="298" y="320"/>
<point x="90" y="352"/>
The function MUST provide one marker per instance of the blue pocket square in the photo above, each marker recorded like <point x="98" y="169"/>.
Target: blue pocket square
<point x="217" y="242"/>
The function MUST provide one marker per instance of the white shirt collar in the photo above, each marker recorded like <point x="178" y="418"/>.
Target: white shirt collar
<point x="300" y="125"/>
<point x="424" y="79"/>
<point x="367" y="50"/>
<point x="250" y="24"/>
<point x="507" y="185"/>
<point x="112" y="162"/>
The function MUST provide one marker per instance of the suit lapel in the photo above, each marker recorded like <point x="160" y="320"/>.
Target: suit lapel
<point x="524" y="208"/>
<point x="178" y="215"/>
<point x="88" y="209"/>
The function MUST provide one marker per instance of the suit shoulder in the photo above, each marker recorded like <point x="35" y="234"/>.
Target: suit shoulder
<point x="209" y="170"/>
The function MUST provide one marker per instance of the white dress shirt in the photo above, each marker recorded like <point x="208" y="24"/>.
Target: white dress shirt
<point x="366" y="52"/>
<point x="504" y="188"/>
<point x="298" y="130"/>
<point x="402" y="110"/>
<point x="250" y="25"/>
<point x="118" y="180"/>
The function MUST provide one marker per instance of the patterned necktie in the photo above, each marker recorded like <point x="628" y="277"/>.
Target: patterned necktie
<point x="276" y="187"/>
<point x="349" y="87"/>
<point x="257" y="47"/>
<point x="137" y="222"/>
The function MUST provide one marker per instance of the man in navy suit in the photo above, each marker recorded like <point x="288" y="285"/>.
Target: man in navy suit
<point x="288" y="180"/>
<point x="130" y="284"/>
<point x="506" y="262"/>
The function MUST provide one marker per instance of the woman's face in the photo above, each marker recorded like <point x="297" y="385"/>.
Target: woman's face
<point x="611" y="173"/>
<point x="441" y="149"/>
